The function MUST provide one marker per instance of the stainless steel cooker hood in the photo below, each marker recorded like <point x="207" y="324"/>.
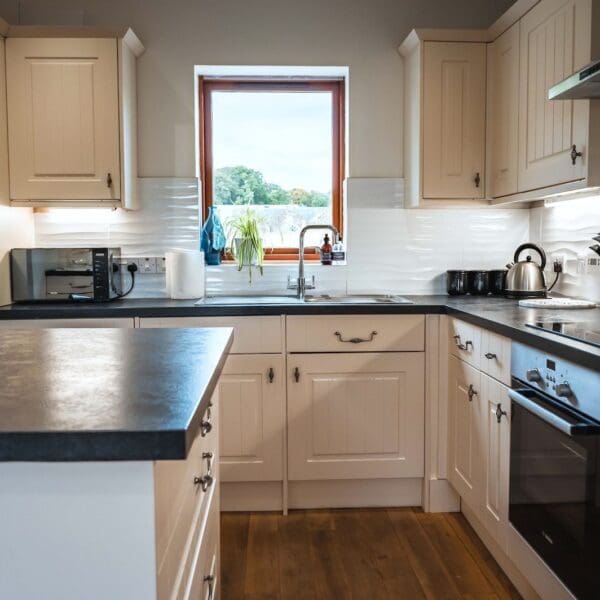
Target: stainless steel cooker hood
<point x="582" y="85"/>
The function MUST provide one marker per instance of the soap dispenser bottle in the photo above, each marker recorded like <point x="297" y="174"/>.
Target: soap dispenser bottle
<point x="338" y="254"/>
<point x="326" y="250"/>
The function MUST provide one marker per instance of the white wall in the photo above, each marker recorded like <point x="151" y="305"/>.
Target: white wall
<point x="178" y="34"/>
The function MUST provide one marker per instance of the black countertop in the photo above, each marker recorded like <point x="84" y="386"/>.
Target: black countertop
<point x="496" y="314"/>
<point x="105" y="394"/>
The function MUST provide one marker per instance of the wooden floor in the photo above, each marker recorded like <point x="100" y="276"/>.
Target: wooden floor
<point x="365" y="554"/>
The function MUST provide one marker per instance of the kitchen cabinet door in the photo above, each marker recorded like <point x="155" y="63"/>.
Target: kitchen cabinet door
<point x="496" y="455"/>
<point x="252" y="401"/>
<point x="555" y="40"/>
<point x="464" y="431"/>
<point x="503" y="113"/>
<point x="454" y="82"/>
<point x="63" y="109"/>
<point x="355" y="416"/>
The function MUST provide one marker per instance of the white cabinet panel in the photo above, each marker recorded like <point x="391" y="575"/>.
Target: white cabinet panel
<point x="355" y="416"/>
<point x="66" y="323"/>
<point x="503" y="113"/>
<point x="555" y="40"/>
<point x="251" y="335"/>
<point x="496" y="455"/>
<point x="63" y="106"/>
<point x="252" y="399"/>
<point x="464" y="430"/>
<point x="453" y="119"/>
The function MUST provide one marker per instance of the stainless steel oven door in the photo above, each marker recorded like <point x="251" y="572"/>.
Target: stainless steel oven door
<point x="555" y="487"/>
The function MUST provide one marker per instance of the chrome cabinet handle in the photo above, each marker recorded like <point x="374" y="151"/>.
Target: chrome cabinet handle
<point x="460" y="345"/>
<point x="574" y="154"/>
<point x="355" y="340"/>
<point x="472" y="392"/>
<point x="206" y="480"/>
<point x="490" y="355"/>
<point x="297" y="374"/>
<point x="210" y="579"/>
<point x="206" y="424"/>
<point x="499" y="412"/>
<point x="271" y="375"/>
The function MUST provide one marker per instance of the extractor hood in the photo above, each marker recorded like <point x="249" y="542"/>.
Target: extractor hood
<point x="582" y="85"/>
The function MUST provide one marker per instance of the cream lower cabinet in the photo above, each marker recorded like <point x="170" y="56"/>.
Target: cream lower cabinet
<point x="479" y="445"/>
<point x="252" y="396"/>
<point x="355" y="416"/>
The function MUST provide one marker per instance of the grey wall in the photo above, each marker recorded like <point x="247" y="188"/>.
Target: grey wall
<point x="361" y="34"/>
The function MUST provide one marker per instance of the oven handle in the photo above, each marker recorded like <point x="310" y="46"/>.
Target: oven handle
<point x="581" y="428"/>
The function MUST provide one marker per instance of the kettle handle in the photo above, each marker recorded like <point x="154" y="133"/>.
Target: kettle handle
<point x="530" y="246"/>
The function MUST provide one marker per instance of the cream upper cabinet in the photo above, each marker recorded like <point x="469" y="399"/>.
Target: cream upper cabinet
<point x="503" y="113"/>
<point x="554" y="42"/>
<point x="71" y="121"/>
<point x="453" y="120"/>
<point x="444" y="120"/>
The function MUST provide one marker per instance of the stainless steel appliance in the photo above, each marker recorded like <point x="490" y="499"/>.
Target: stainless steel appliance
<point x="582" y="331"/>
<point x="554" y="465"/>
<point x="525" y="278"/>
<point x="582" y="85"/>
<point x="53" y="274"/>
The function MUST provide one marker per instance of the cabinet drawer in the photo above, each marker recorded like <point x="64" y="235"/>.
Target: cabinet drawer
<point x="465" y="342"/>
<point x="204" y="574"/>
<point x="252" y="335"/>
<point x="495" y="356"/>
<point x="356" y="333"/>
<point x="183" y="490"/>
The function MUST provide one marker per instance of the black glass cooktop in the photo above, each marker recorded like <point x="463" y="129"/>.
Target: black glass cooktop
<point x="581" y="331"/>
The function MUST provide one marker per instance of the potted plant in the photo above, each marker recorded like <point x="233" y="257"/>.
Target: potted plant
<point x="246" y="241"/>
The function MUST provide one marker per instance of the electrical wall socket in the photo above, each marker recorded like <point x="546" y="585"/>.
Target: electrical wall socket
<point x="161" y="264"/>
<point x="147" y="264"/>
<point x="560" y="259"/>
<point x="593" y="265"/>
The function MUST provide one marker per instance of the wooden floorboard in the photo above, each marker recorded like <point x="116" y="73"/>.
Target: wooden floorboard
<point x="379" y="554"/>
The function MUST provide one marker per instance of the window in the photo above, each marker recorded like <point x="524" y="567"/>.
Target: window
<point x="275" y="146"/>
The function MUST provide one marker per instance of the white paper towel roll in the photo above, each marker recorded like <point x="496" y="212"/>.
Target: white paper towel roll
<point x="185" y="275"/>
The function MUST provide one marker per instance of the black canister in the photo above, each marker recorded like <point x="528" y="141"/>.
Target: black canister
<point x="457" y="282"/>
<point x="498" y="282"/>
<point x="479" y="283"/>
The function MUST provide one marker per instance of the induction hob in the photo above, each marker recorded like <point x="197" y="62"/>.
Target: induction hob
<point x="582" y="331"/>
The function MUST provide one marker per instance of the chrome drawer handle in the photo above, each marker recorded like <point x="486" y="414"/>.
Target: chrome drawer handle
<point x="206" y="424"/>
<point x="210" y="579"/>
<point x="499" y="412"/>
<point x="460" y="345"/>
<point x="472" y="392"/>
<point x="355" y="340"/>
<point x="206" y="480"/>
<point x="490" y="355"/>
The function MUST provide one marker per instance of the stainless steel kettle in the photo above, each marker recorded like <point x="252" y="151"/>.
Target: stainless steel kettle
<point x="525" y="278"/>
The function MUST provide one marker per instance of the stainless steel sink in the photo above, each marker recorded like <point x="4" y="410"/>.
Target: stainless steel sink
<point x="244" y="300"/>
<point x="358" y="299"/>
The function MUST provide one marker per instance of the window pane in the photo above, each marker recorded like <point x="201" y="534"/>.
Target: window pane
<point x="273" y="151"/>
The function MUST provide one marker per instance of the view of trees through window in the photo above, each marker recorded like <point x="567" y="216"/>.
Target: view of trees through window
<point x="272" y="152"/>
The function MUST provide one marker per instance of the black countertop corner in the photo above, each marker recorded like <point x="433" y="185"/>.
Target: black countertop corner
<point x="106" y="394"/>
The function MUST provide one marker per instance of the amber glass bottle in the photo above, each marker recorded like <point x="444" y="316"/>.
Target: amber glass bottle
<point x="326" y="250"/>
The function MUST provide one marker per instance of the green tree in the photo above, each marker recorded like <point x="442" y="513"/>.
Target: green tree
<point x="242" y="185"/>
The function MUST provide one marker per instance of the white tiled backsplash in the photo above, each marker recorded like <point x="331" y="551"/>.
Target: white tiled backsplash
<point x="567" y="228"/>
<point x="390" y="249"/>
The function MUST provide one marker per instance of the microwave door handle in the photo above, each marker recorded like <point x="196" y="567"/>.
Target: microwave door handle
<point x="570" y="429"/>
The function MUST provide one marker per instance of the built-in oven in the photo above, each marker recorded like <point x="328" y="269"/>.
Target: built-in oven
<point x="554" y="465"/>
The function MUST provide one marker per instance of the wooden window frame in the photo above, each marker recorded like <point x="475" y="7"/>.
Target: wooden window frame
<point x="335" y="86"/>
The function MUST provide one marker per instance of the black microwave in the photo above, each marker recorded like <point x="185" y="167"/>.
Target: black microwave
<point x="65" y="274"/>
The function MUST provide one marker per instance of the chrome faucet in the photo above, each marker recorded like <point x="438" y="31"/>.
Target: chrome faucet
<point x="301" y="284"/>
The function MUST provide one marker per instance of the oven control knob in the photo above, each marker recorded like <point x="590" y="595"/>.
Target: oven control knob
<point x="534" y="375"/>
<point x="563" y="390"/>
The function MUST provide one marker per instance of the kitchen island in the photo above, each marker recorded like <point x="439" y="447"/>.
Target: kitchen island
<point x="108" y="462"/>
